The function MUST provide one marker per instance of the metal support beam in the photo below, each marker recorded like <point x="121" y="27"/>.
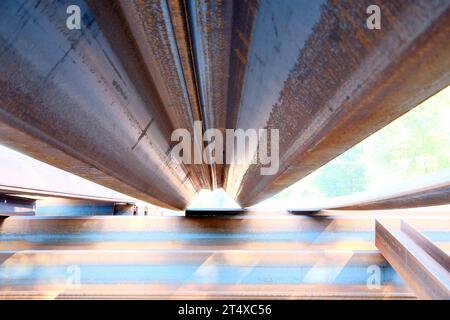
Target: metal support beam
<point x="333" y="82"/>
<point x="423" y="265"/>
<point x="71" y="99"/>
<point x="18" y="191"/>
<point x="144" y="36"/>
<point x="16" y="206"/>
<point x="70" y="207"/>
<point x="103" y="101"/>
<point x="213" y="212"/>
<point x="269" y="256"/>
<point x="429" y="190"/>
<point x="221" y="34"/>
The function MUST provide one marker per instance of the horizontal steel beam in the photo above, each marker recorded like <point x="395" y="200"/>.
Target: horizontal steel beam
<point x="429" y="190"/>
<point x="221" y="33"/>
<point x="187" y="274"/>
<point x="18" y="191"/>
<point x="423" y="265"/>
<point x="320" y="76"/>
<point x="198" y="257"/>
<point x="213" y="212"/>
<point x="269" y="230"/>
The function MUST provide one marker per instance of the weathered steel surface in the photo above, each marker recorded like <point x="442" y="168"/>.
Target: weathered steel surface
<point x="317" y="74"/>
<point x="21" y="175"/>
<point x="425" y="192"/>
<point x="19" y="191"/>
<point x="142" y="35"/>
<point x="221" y="34"/>
<point x="187" y="274"/>
<point x="69" y="98"/>
<point x="174" y="257"/>
<point x="422" y="264"/>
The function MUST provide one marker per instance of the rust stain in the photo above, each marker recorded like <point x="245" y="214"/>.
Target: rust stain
<point x="339" y="48"/>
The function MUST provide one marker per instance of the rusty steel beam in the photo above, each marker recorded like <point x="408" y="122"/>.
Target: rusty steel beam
<point x="21" y="191"/>
<point x="221" y="33"/>
<point x="423" y="265"/>
<point x="102" y="101"/>
<point x="252" y="256"/>
<point x="174" y="257"/>
<point x="320" y="76"/>
<point x="197" y="52"/>
<point x="142" y="35"/>
<point x="81" y="101"/>
<point x="429" y="190"/>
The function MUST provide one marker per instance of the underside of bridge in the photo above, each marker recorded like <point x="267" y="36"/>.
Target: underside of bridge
<point x="103" y="99"/>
